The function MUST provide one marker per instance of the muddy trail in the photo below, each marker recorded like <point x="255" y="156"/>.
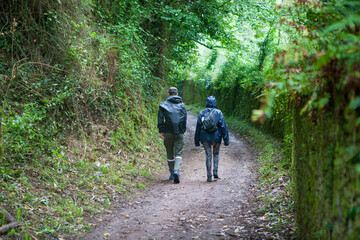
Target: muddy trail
<point x="195" y="208"/>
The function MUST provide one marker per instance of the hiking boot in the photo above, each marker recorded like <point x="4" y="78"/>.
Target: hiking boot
<point x="171" y="177"/>
<point x="209" y="178"/>
<point x="216" y="175"/>
<point x="176" y="177"/>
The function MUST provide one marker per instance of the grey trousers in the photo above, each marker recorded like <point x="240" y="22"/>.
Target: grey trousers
<point x="212" y="150"/>
<point x="174" y="144"/>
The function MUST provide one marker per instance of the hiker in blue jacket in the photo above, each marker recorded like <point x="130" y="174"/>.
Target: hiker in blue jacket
<point x="210" y="130"/>
<point x="172" y="118"/>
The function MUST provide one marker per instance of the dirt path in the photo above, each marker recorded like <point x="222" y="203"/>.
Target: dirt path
<point x="193" y="209"/>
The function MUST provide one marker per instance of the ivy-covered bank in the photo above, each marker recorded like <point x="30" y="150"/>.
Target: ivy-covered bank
<point x="80" y="84"/>
<point x="325" y="170"/>
<point x="306" y="93"/>
<point x="326" y="176"/>
<point x="319" y="75"/>
<point x="77" y="114"/>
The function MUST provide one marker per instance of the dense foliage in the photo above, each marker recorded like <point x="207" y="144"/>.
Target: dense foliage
<point x="298" y="74"/>
<point x="320" y="70"/>
<point x="79" y="86"/>
<point x="241" y="81"/>
<point x="71" y="88"/>
<point x="320" y="64"/>
<point x="81" y="76"/>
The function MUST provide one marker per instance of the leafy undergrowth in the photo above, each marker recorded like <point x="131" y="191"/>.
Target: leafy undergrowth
<point x="274" y="196"/>
<point x="58" y="196"/>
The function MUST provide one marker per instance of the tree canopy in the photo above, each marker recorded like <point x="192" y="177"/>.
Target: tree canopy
<point x="70" y="68"/>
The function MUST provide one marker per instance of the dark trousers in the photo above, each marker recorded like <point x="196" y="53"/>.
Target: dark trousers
<point x="212" y="153"/>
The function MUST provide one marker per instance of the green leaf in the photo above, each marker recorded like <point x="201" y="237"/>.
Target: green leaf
<point x="323" y="60"/>
<point x="357" y="167"/>
<point x="357" y="123"/>
<point x="355" y="103"/>
<point x="323" y="101"/>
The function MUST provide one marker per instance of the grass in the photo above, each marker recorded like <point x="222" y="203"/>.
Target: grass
<point x="57" y="196"/>
<point x="272" y="153"/>
<point x="274" y="190"/>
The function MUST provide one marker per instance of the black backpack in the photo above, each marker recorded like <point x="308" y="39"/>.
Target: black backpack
<point x="209" y="121"/>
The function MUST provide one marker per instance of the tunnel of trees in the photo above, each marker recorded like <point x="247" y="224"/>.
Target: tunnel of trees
<point x="83" y="79"/>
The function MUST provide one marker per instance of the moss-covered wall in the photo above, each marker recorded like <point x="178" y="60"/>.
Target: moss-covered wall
<point x="326" y="180"/>
<point x="326" y="167"/>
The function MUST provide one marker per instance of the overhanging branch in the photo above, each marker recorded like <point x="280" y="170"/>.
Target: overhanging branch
<point x="207" y="46"/>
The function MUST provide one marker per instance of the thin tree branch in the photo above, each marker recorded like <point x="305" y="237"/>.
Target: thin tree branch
<point x="207" y="46"/>
<point x="13" y="222"/>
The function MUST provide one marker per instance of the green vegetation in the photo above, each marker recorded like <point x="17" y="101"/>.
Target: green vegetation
<point x="80" y="82"/>
<point x="274" y="190"/>
<point x="79" y="89"/>
<point x="77" y="97"/>
<point x="296" y="76"/>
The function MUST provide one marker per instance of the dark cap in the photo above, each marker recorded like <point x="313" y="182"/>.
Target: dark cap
<point x="173" y="90"/>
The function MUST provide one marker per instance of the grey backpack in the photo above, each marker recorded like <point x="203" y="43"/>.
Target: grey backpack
<point x="209" y="121"/>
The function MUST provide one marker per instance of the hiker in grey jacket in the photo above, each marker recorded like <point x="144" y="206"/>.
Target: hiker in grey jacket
<point x="211" y="138"/>
<point x="172" y="118"/>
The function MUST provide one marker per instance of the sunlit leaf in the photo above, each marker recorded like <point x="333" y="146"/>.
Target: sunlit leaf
<point x="357" y="167"/>
<point x="323" y="101"/>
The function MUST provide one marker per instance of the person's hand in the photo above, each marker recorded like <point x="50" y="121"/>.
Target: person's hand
<point x="162" y="136"/>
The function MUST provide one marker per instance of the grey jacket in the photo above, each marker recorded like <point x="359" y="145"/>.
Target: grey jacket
<point x="172" y="116"/>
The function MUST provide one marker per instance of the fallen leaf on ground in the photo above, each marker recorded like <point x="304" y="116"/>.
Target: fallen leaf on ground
<point x="259" y="227"/>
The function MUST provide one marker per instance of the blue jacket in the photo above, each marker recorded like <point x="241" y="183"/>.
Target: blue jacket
<point x="172" y="116"/>
<point x="221" y="133"/>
